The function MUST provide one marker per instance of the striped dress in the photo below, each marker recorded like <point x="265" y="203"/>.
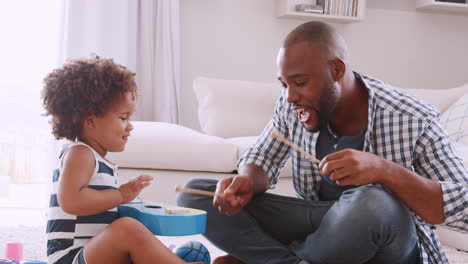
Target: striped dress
<point x="66" y="233"/>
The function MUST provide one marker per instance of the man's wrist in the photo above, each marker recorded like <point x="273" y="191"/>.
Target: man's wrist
<point x="389" y="173"/>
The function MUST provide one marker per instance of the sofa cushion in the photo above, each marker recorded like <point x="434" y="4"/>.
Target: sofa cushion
<point x="233" y="108"/>
<point x="157" y="145"/>
<point x="442" y="99"/>
<point x="453" y="239"/>
<point x="455" y="120"/>
<point x="462" y="151"/>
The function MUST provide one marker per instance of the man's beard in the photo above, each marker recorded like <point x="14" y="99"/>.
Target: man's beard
<point x="327" y="105"/>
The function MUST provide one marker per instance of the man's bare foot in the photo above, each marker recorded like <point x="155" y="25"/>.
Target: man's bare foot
<point x="227" y="259"/>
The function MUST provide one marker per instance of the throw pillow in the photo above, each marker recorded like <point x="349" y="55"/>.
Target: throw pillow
<point x="455" y="120"/>
<point x="234" y="108"/>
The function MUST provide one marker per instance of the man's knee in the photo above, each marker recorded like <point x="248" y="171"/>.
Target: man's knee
<point x="376" y="204"/>
<point x="191" y="200"/>
<point x="201" y="184"/>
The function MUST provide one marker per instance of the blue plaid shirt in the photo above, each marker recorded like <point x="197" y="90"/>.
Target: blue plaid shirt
<point x="401" y="129"/>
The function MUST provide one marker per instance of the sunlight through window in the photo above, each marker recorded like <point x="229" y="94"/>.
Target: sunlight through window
<point x="29" y="50"/>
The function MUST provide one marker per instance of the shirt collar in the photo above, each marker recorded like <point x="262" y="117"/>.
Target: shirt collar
<point x="371" y="112"/>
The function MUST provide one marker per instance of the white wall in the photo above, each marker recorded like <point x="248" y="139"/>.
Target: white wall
<point x="240" y="39"/>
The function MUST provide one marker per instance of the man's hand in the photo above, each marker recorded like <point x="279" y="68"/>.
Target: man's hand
<point x="237" y="192"/>
<point x="353" y="167"/>
<point x="130" y="190"/>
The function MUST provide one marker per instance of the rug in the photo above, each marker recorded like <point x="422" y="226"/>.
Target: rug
<point x="34" y="243"/>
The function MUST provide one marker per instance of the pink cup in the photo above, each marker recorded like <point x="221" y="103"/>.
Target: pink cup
<point x="14" y="251"/>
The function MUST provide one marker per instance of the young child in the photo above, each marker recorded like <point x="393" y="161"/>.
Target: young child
<point x="91" y="102"/>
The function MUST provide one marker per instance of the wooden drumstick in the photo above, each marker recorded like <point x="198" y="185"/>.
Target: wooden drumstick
<point x="277" y="135"/>
<point x="196" y="191"/>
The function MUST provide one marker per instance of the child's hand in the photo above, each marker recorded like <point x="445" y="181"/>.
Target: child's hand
<point x="130" y="190"/>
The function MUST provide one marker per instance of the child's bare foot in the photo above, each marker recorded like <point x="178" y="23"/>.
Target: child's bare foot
<point x="227" y="259"/>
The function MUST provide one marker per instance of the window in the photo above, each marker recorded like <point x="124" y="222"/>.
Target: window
<point x="29" y="50"/>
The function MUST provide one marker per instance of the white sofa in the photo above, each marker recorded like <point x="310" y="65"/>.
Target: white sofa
<point x="232" y="114"/>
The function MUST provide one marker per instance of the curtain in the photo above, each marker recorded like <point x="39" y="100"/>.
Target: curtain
<point x="158" y="70"/>
<point x="143" y="35"/>
<point x="104" y="27"/>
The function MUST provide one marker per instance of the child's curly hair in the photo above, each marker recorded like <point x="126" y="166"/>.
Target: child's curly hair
<point x="82" y="88"/>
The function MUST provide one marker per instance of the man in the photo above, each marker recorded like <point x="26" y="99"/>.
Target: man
<point x="387" y="173"/>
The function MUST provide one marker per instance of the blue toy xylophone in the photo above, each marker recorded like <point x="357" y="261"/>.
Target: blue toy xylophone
<point x="163" y="220"/>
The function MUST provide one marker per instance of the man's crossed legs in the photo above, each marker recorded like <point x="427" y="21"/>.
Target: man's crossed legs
<point x="366" y="225"/>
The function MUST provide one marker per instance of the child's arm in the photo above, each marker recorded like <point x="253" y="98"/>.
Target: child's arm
<point x="76" y="198"/>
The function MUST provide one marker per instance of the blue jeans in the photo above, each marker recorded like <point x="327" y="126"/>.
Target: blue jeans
<point x="366" y="225"/>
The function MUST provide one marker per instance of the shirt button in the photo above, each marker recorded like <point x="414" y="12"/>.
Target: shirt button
<point x="334" y="146"/>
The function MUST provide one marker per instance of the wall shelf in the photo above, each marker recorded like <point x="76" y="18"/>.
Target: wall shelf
<point x="432" y="5"/>
<point x="286" y="9"/>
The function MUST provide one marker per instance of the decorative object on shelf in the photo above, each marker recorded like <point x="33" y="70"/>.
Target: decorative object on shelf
<point x="344" y="11"/>
<point x="309" y="8"/>
<point x="459" y="7"/>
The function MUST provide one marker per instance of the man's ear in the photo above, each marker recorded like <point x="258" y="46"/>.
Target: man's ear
<point x="338" y="69"/>
<point x="90" y="121"/>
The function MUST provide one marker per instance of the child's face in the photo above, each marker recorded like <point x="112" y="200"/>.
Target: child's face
<point x="113" y="128"/>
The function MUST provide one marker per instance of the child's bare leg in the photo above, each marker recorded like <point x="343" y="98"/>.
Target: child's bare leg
<point x="127" y="240"/>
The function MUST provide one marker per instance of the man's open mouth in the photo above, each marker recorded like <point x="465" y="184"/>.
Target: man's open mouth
<point x="302" y="114"/>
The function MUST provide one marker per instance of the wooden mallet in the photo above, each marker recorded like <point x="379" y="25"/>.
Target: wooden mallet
<point x="277" y="135"/>
<point x="196" y="191"/>
<point x="274" y="134"/>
